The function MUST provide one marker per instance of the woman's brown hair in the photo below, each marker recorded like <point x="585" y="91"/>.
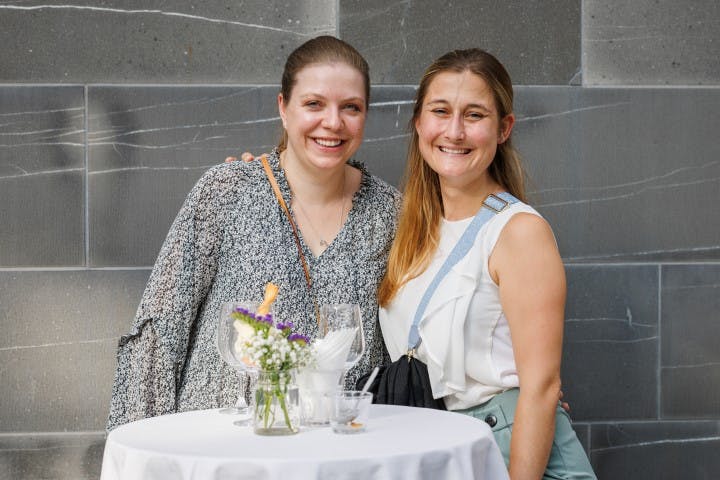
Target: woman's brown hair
<point x="418" y="230"/>
<point x="322" y="49"/>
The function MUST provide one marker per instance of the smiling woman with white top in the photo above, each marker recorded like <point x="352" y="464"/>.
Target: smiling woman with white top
<point x="491" y="334"/>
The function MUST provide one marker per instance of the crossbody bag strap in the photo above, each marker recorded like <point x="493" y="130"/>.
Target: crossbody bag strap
<point x="492" y="205"/>
<point x="283" y="205"/>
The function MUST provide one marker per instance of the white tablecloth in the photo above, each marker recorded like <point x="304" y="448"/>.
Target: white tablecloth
<point x="400" y="443"/>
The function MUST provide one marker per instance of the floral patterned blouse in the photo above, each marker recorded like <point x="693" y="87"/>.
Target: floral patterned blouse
<point x="229" y="239"/>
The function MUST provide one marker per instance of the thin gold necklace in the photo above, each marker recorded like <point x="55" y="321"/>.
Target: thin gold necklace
<point x="323" y="243"/>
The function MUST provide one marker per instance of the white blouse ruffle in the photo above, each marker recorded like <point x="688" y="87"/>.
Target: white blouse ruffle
<point x="465" y="337"/>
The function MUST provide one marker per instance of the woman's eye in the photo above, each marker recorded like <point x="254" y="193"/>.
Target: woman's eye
<point x="439" y="111"/>
<point x="312" y="103"/>
<point x="476" y="115"/>
<point x="353" y="107"/>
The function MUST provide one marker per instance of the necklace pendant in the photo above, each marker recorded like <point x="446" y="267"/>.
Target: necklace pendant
<point x="323" y="243"/>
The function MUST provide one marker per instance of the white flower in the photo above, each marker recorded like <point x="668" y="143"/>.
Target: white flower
<point x="267" y="347"/>
<point x="244" y="332"/>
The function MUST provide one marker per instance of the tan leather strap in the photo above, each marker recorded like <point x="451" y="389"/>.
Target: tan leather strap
<point x="281" y="201"/>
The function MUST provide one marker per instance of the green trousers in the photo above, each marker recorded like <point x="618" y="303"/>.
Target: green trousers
<point x="567" y="457"/>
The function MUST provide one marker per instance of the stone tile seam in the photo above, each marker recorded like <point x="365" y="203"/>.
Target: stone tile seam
<point x="658" y="372"/>
<point x="86" y="189"/>
<point x="76" y="269"/>
<point x="43" y="85"/>
<point x="59" y="446"/>
<point x="608" y="86"/>
<point x="650" y="421"/>
<point x="582" y="47"/>
<point x="337" y="18"/>
<point x="690" y="365"/>
<point x="678" y="86"/>
<point x="711" y="263"/>
<point x="6" y="435"/>
<point x="655" y="442"/>
<point x="141" y="84"/>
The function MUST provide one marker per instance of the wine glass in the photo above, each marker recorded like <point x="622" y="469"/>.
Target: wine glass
<point x="226" y="338"/>
<point x="342" y="324"/>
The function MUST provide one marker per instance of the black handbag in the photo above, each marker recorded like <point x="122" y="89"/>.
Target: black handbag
<point x="406" y="381"/>
<point x="403" y="382"/>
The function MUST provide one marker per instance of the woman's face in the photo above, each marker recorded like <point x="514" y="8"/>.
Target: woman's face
<point x="459" y="128"/>
<point x="325" y="115"/>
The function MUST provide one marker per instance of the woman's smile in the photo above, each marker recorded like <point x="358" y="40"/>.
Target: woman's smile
<point x="454" y="150"/>
<point x="459" y="128"/>
<point x="325" y="116"/>
<point x="327" y="142"/>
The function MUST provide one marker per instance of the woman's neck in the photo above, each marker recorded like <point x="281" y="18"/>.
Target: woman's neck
<point x="463" y="201"/>
<point x="314" y="186"/>
<point x="321" y="199"/>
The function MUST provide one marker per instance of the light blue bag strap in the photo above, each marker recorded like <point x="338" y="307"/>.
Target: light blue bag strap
<point x="492" y="205"/>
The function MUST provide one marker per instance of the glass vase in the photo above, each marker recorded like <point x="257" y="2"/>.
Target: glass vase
<point x="277" y="405"/>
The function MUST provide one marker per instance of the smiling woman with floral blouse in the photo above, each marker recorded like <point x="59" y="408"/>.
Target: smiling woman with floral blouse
<point x="231" y="238"/>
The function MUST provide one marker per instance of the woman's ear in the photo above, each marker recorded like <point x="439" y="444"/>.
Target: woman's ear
<point x="506" y="126"/>
<point x="281" y="108"/>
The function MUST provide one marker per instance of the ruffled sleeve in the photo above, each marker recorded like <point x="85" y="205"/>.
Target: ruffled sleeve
<point x="151" y="356"/>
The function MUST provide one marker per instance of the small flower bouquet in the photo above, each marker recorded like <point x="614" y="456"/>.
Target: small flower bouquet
<point x="274" y="350"/>
<point x="267" y="345"/>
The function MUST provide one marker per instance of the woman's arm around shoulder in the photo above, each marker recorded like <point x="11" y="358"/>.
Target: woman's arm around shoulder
<point x="530" y="275"/>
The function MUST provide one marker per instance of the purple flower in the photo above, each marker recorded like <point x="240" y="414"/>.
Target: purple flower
<point x="296" y="337"/>
<point x="285" y="327"/>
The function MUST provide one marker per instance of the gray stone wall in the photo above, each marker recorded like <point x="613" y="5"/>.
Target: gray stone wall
<point x="110" y="111"/>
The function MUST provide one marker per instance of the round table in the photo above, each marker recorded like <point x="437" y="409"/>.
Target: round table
<point x="400" y="442"/>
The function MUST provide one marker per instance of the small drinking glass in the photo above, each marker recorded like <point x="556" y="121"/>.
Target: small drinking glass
<point x="226" y="338"/>
<point x="351" y="411"/>
<point x="317" y="394"/>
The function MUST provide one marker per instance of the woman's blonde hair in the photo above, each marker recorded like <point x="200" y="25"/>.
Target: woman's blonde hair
<point x="418" y="230"/>
<point x="322" y="49"/>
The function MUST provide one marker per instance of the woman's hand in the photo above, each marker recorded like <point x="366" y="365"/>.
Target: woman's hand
<point x="246" y="157"/>
<point x="564" y="405"/>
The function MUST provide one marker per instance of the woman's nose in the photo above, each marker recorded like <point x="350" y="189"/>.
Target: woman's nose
<point x="332" y="119"/>
<point x="455" y="128"/>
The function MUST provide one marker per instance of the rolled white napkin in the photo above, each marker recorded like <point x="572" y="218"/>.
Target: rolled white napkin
<point x="332" y="351"/>
<point x="318" y="380"/>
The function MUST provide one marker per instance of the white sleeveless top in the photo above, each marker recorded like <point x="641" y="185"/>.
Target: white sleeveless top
<point x="465" y="335"/>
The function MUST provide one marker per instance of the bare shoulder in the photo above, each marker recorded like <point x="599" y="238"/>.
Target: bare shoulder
<point x="526" y="244"/>
<point x="526" y="228"/>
